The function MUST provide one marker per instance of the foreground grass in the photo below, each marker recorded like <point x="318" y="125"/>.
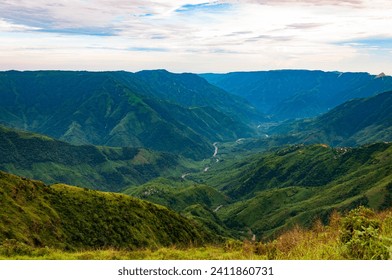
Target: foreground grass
<point x="370" y="238"/>
<point x="203" y="253"/>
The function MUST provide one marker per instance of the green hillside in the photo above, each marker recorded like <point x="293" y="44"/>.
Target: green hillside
<point x="196" y="201"/>
<point x="298" y="184"/>
<point x="269" y="192"/>
<point x="188" y="148"/>
<point x="291" y="94"/>
<point x="178" y="194"/>
<point x="69" y="218"/>
<point x="190" y="90"/>
<point x="39" y="157"/>
<point x="111" y="109"/>
<point x="360" y="234"/>
<point x="356" y="122"/>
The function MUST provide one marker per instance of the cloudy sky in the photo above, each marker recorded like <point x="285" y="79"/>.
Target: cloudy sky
<point x="196" y="36"/>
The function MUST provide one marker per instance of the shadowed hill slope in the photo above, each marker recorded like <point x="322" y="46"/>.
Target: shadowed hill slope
<point x="290" y="94"/>
<point x="298" y="184"/>
<point x="356" y="122"/>
<point x="40" y="157"/>
<point x="114" y="109"/>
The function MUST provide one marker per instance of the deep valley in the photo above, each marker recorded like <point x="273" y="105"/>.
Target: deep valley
<point x="123" y="162"/>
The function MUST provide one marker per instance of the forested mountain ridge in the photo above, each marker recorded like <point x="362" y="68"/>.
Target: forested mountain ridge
<point x="298" y="184"/>
<point x="291" y="94"/>
<point x="190" y="90"/>
<point x="102" y="168"/>
<point x="355" y="122"/>
<point x="100" y="108"/>
<point x="178" y="141"/>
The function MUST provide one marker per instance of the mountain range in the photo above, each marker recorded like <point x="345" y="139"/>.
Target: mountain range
<point x="117" y="109"/>
<point x="292" y="94"/>
<point x="189" y="90"/>
<point x="218" y="156"/>
<point x="356" y="122"/>
<point x="270" y="192"/>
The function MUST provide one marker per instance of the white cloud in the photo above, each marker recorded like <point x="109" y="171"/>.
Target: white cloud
<point x="307" y="2"/>
<point x="194" y="35"/>
<point x="6" y="26"/>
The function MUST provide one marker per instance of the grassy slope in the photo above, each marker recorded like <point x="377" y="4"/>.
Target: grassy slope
<point x="270" y="192"/>
<point x="178" y="194"/>
<point x="356" y="122"/>
<point x="195" y="201"/>
<point x="321" y="242"/>
<point x="43" y="158"/>
<point x="65" y="217"/>
<point x="298" y="184"/>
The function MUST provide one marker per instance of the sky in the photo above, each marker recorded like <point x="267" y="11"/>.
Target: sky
<point x="196" y="36"/>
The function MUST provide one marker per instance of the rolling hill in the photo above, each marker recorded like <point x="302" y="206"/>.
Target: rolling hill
<point x="103" y="168"/>
<point x="71" y="218"/>
<point x="297" y="184"/>
<point x="152" y="133"/>
<point x="196" y="201"/>
<point x="291" y="94"/>
<point x="356" y="122"/>
<point x="178" y="194"/>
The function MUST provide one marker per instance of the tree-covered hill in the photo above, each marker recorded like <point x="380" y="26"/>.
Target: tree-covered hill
<point x="291" y="94"/>
<point x="355" y="122"/>
<point x="104" y="168"/>
<point x="190" y="90"/>
<point x="71" y="218"/>
<point x="116" y="109"/>
<point x="298" y="184"/>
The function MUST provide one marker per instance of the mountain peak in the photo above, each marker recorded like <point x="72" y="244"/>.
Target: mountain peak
<point x="381" y="75"/>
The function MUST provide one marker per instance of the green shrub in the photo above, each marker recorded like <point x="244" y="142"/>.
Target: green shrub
<point x="269" y="249"/>
<point x="12" y="247"/>
<point x="232" y="245"/>
<point x="360" y="235"/>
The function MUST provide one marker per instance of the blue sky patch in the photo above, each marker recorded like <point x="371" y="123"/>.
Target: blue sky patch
<point x="143" y="49"/>
<point x="101" y="32"/>
<point x="377" y="42"/>
<point x="205" y="7"/>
